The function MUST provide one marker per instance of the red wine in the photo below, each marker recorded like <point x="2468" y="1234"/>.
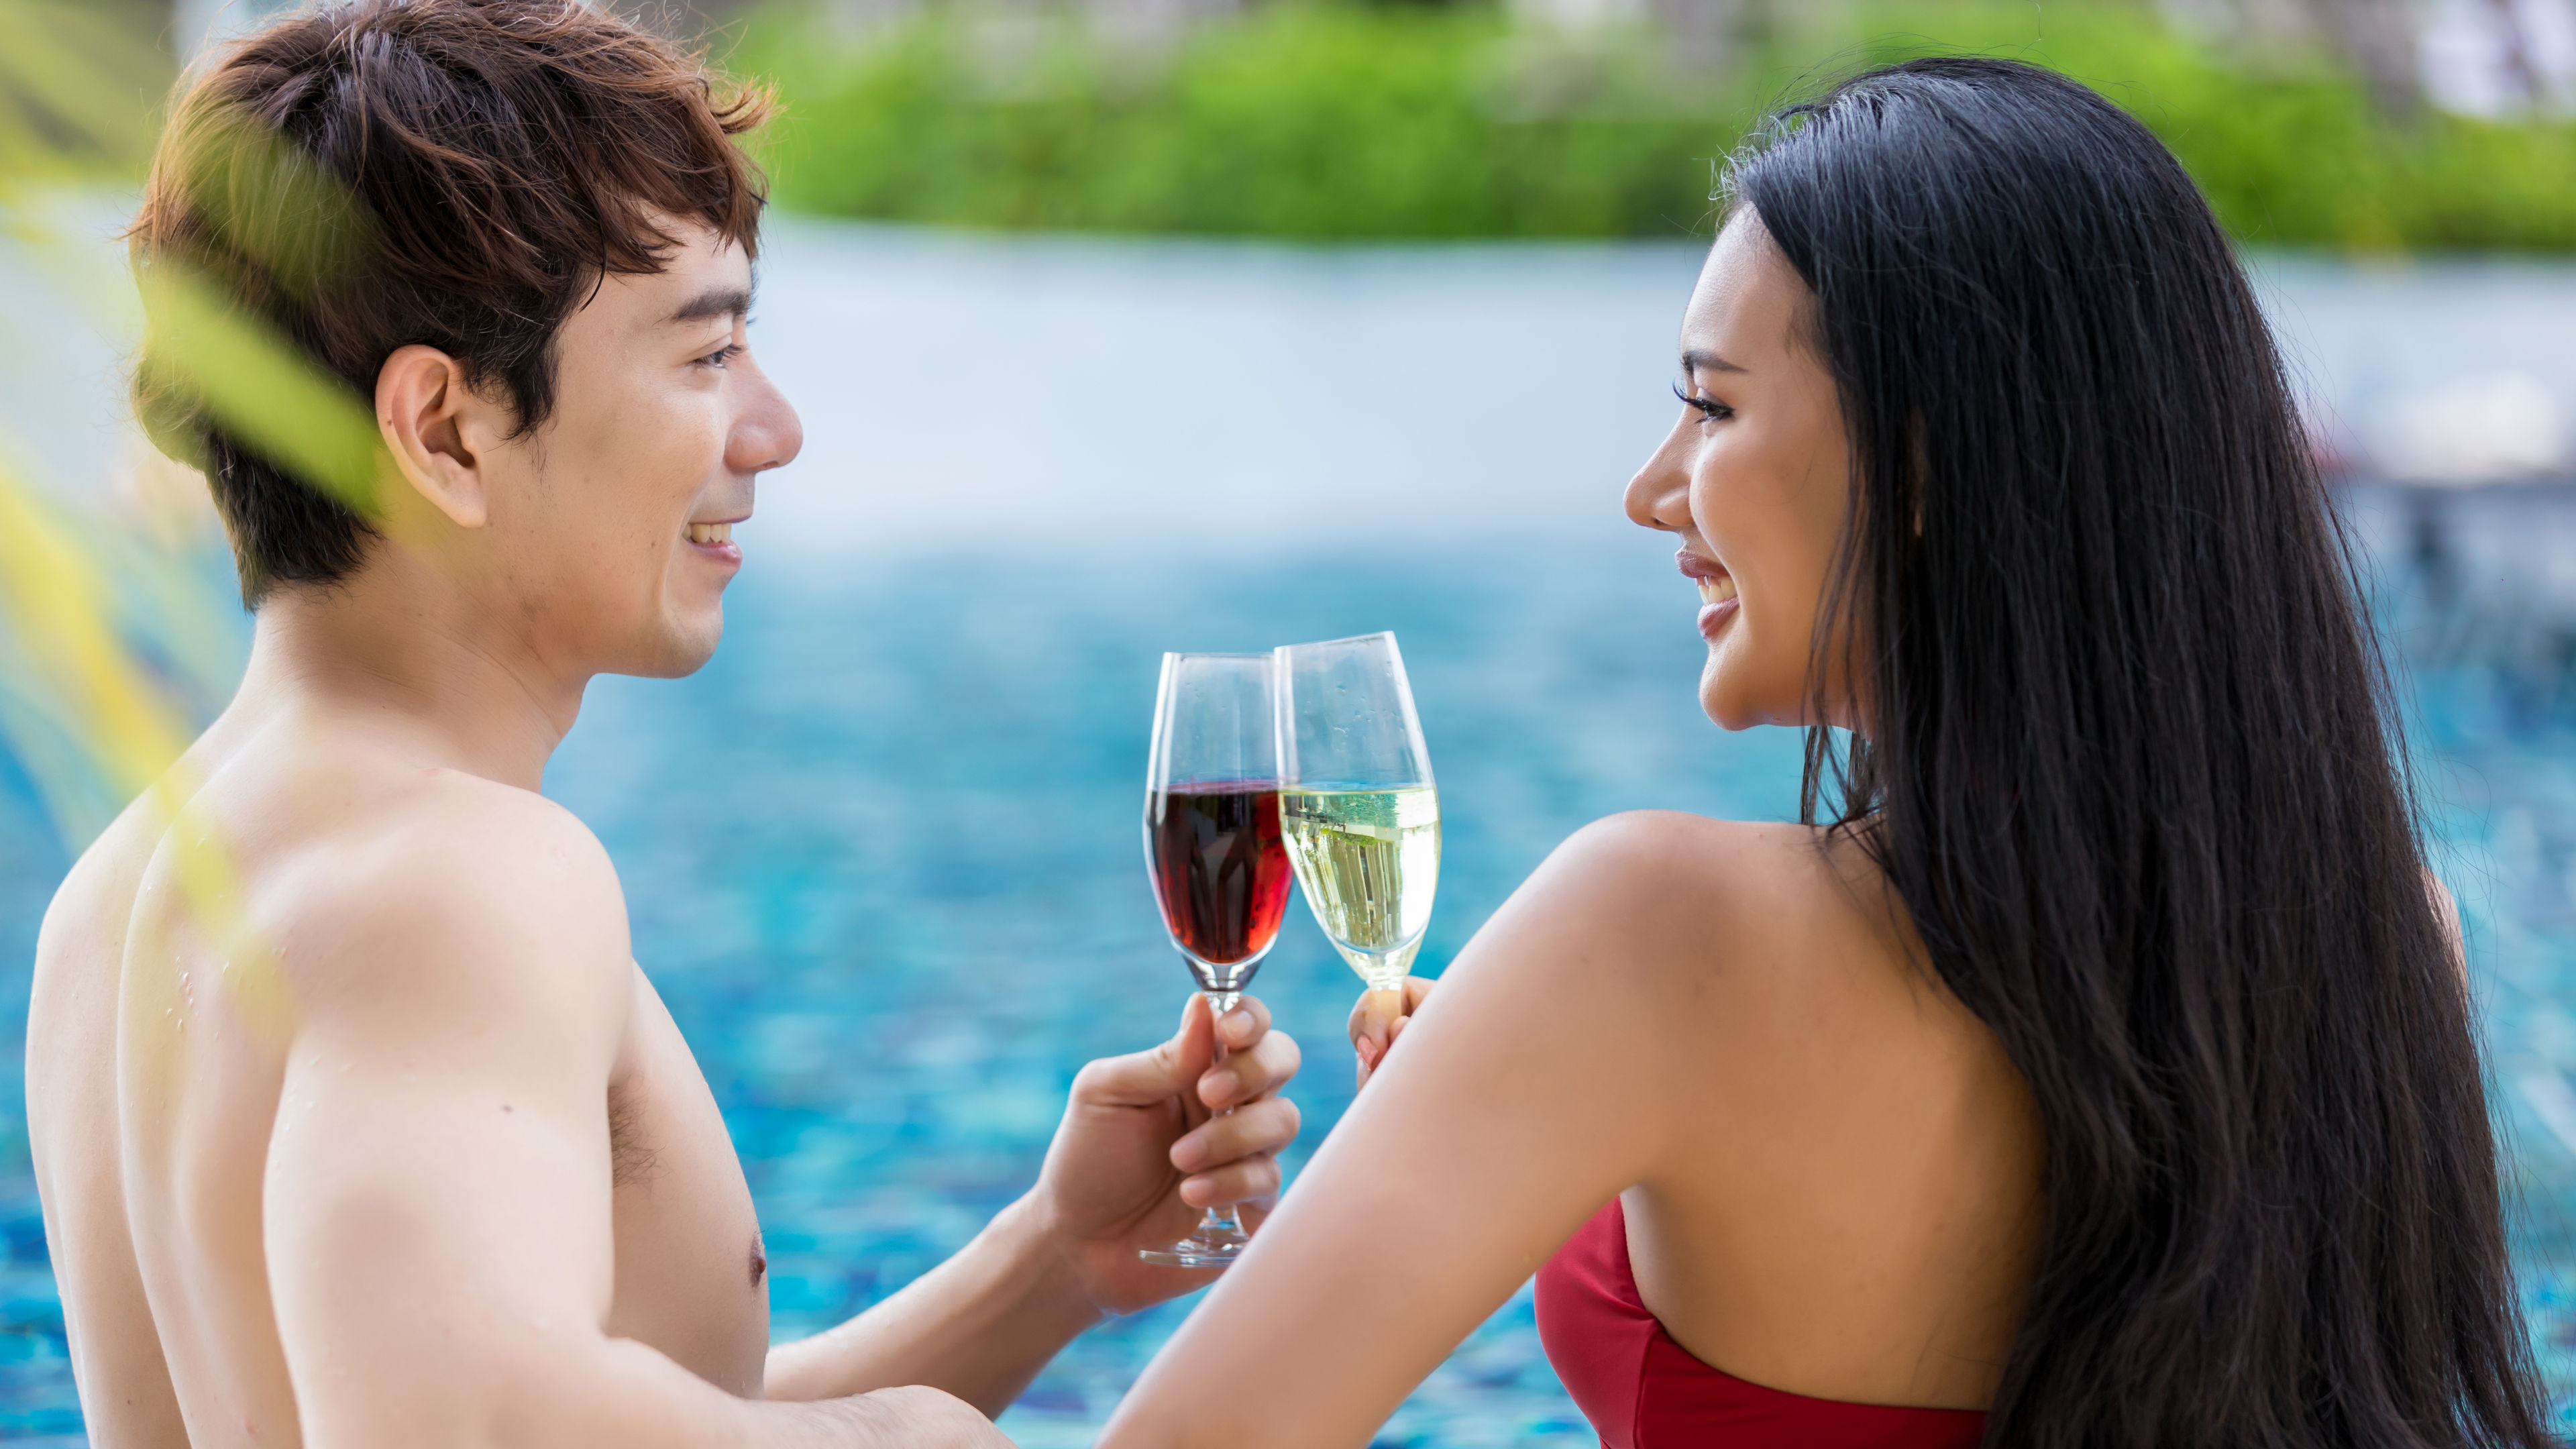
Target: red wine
<point x="1220" y="868"/>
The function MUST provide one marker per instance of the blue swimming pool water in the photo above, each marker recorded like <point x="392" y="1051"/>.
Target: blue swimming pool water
<point x="882" y="858"/>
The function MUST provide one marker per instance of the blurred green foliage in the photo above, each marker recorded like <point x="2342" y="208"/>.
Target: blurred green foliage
<point x="113" y="640"/>
<point x="1313" y="119"/>
<point x="80" y="82"/>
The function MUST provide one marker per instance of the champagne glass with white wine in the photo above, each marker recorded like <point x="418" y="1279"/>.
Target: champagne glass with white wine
<point x="1356" y="801"/>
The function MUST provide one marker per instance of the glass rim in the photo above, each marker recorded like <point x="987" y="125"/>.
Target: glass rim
<point x="1386" y="634"/>
<point x="1417" y="750"/>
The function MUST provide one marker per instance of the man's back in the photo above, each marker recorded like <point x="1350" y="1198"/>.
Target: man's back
<point x="170" y="1068"/>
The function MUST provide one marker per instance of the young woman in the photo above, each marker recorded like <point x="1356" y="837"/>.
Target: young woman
<point x="2094" y="1067"/>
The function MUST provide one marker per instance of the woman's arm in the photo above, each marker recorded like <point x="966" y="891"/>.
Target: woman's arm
<point x="1535" y="1085"/>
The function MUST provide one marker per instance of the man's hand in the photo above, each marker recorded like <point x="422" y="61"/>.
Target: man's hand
<point x="1381" y="1017"/>
<point x="1142" y="1149"/>
<point x="1148" y="1142"/>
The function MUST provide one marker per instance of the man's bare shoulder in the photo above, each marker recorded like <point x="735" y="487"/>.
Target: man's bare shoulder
<point x="385" y="898"/>
<point x="424" y="839"/>
<point x="88" y="914"/>
<point x="442" y="884"/>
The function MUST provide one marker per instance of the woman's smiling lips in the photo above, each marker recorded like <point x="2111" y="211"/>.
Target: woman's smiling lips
<point x="1716" y="591"/>
<point x="714" y="540"/>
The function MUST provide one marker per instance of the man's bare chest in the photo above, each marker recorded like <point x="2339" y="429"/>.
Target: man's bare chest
<point x="692" y="1278"/>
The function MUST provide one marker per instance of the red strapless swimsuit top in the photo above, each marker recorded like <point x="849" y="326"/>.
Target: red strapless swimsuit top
<point x="1641" y="1390"/>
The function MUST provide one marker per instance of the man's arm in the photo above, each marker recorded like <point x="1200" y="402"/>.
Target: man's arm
<point x="437" y="1200"/>
<point x="1141" y="1152"/>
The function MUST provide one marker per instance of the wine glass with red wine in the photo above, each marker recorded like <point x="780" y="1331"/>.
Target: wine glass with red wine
<point x="1212" y="844"/>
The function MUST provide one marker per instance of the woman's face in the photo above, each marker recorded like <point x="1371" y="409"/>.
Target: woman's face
<point x="1755" y="479"/>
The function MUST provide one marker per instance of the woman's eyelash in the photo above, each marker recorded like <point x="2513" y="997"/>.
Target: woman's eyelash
<point x="1708" y="406"/>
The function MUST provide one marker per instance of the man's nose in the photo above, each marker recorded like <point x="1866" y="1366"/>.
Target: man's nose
<point x="768" y="434"/>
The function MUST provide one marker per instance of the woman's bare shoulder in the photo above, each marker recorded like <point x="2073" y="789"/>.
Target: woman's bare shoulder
<point x="1658" y="870"/>
<point x="1735" y="916"/>
<point x="1676" y="842"/>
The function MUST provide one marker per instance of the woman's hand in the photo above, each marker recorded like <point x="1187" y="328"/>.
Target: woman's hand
<point x="1381" y="1017"/>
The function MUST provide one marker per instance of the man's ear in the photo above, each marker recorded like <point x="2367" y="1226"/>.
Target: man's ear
<point x="432" y="422"/>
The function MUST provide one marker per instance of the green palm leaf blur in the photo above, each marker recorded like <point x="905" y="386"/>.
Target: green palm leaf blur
<point x="116" y="638"/>
<point x="114" y="635"/>
<point x="89" y="721"/>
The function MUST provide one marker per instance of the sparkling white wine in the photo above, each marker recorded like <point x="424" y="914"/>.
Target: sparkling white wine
<point x="1370" y="861"/>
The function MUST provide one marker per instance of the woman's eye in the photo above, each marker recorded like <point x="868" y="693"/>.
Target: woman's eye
<point x="1708" y="407"/>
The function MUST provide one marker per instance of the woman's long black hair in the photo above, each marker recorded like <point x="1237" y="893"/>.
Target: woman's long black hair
<point x="2126" y="755"/>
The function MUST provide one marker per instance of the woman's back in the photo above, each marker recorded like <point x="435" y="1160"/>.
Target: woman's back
<point x="1848" y="1200"/>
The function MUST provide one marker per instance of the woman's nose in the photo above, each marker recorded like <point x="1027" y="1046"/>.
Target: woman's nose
<point x="1659" y="496"/>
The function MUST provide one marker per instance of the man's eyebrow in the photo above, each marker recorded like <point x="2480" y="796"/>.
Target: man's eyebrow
<point x="716" y="301"/>
<point x="1697" y="360"/>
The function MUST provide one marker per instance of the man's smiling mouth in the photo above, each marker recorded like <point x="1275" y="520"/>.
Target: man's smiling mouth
<point x="710" y="533"/>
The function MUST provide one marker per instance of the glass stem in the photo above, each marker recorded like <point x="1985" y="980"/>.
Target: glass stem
<point x="1220" y="1220"/>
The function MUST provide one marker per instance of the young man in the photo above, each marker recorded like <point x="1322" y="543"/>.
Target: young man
<point x="355" y="1122"/>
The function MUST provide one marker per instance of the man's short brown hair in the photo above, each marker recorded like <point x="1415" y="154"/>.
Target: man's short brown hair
<point x="470" y="169"/>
